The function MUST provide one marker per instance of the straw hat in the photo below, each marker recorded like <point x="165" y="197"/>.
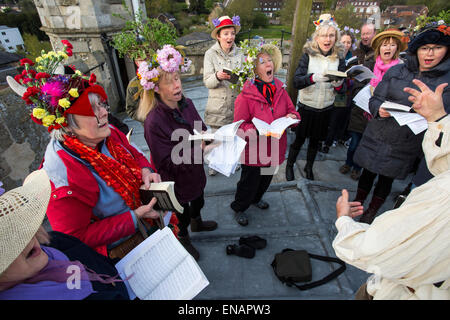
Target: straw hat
<point x="390" y="33"/>
<point x="22" y="211"/>
<point x="274" y="53"/>
<point x="225" y="22"/>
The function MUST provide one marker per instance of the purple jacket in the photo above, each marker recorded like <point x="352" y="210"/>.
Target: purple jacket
<point x="166" y="132"/>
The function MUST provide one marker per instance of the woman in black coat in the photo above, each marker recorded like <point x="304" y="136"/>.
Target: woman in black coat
<point x="388" y="149"/>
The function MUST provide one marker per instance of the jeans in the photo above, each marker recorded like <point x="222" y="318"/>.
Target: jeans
<point x="354" y="142"/>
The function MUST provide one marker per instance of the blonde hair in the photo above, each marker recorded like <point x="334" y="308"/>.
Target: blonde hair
<point x="338" y="49"/>
<point x="148" y="98"/>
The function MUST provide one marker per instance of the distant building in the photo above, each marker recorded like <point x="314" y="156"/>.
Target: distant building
<point x="317" y="7"/>
<point x="362" y="9"/>
<point x="9" y="62"/>
<point x="269" y="7"/>
<point x="11" y="39"/>
<point x="402" y="16"/>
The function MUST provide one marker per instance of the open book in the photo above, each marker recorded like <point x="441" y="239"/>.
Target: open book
<point x="234" y="77"/>
<point x="226" y="132"/>
<point x="363" y="97"/>
<point x="352" y="61"/>
<point x="276" y="128"/>
<point x="358" y="72"/>
<point x="164" y="192"/>
<point x="160" y="268"/>
<point x="392" y="106"/>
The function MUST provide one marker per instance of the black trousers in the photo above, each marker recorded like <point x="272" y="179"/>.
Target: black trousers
<point x="191" y="211"/>
<point x="383" y="186"/>
<point x="313" y="147"/>
<point x="250" y="188"/>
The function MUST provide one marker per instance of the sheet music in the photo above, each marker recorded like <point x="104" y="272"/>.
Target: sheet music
<point x="225" y="157"/>
<point x="161" y="269"/>
<point x="363" y="97"/>
<point x="277" y="126"/>
<point x="414" y="121"/>
<point x="366" y="73"/>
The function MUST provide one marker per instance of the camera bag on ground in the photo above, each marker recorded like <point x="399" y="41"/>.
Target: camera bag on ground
<point x="292" y="266"/>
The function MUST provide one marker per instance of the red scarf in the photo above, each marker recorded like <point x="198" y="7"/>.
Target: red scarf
<point x="121" y="172"/>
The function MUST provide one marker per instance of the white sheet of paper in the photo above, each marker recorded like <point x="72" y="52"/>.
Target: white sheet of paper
<point x="363" y="97"/>
<point x="414" y="121"/>
<point x="225" y="157"/>
<point x="392" y="106"/>
<point x="418" y="126"/>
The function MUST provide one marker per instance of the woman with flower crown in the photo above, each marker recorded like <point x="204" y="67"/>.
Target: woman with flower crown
<point x="167" y="112"/>
<point x="316" y="92"/>
<point x="263" y="97"/>
<point x="223" y="54"/>
<point x="95" y="173"/>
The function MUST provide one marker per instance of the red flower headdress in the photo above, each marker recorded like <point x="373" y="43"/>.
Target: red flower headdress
<point x="49" y="92"/>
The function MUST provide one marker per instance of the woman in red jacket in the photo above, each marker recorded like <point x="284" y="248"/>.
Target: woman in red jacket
<point x="266" y="99"/>
<point x="95" y="173"/>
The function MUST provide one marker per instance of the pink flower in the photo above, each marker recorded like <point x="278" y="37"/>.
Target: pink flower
<point x="55" y="90"/>
<point x="169" y="58"/>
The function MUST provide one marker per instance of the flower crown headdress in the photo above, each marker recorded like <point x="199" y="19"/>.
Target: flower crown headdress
<point x="169" y="59"/>
<point x="325" y="19"/>
<point x="49" y="92"/>
<point x="247" y="72"/>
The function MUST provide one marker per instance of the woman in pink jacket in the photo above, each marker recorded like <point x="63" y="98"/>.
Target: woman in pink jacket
<point x="266" y="99"/>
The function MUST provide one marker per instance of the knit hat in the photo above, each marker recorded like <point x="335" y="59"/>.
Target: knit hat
<point x="390" y="33"/>
<point x="22" y="211"/>
<point x="52" y="94"/>
<point x="225" y="22"/>
<point x="433" y="33"/>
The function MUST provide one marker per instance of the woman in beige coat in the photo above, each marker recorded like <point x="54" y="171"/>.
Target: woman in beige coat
<point x="223" y="54"/>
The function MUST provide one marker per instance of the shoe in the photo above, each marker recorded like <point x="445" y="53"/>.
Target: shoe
<point x="241" y="218"/>
<point x="243" y="250"/>
<point x="198" y="225"/>
<point x="334" y="144"/>
<point x="325" y="149"/>
<point x="309" y="172"/>
<point x="261" y="204"/>
<point x="369" y="215"/>
<point x="292" y="157"/>
<point x="253" y="241"/>
<point x="186" y="242"/>
<point x="212" y="172"/>
<point x="355" y="175"/>
<point x="290" y="172"/>
<point x="344" y="169"/>
<point x="361" y="195"/>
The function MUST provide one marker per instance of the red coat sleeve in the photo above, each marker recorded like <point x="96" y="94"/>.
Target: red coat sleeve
<point x="69" y="213"/>
<point x="242" y="112"/>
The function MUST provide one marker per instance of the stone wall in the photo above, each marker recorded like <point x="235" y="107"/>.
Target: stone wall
<point x="87" y="24"/>
<point x="22" y="142"/>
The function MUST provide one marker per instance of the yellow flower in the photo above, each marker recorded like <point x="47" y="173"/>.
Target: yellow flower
<point x="52" y="54"/>
<point x="40" y="68"/>
<point x="78" y="73"/>
<point x="38" y="59"/>
<point x="45" y="56"/>
<point x="65" y="103"/>
<point x="39" y="113"/>
<point x="60" y="120"/>
<point x="74" y="92"/>
<point x="63" y="54"/>
<point x="48" y="120"/>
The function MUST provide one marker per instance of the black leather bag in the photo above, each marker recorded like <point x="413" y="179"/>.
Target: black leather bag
<point x="292" y="266"/>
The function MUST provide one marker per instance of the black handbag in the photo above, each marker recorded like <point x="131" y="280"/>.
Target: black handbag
<point x="292" y="266"/>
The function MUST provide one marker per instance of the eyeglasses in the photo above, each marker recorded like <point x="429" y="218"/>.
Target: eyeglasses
<point x="101" y="104"/>
<point x="426" y="50"/>
<point x="329" y="36"/>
